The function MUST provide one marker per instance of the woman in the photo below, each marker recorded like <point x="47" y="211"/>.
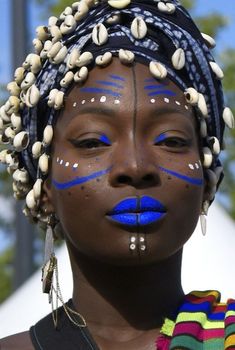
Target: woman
<point x="116" y="125"/>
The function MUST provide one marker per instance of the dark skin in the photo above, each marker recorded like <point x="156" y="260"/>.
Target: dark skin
<point x="124" y="295"/>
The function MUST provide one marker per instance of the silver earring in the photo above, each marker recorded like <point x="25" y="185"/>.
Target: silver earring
<point x="203" y="215"/>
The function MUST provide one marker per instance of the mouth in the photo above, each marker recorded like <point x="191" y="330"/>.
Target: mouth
<point x="136" y="212"/>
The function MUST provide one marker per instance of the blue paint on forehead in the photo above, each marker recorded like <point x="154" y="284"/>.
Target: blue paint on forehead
<point x="79" y="180"/>
<point x="154" y="87"/>
<point x="100" y="91"/>
<point x="117" y="77"/>
<point x="109" y="83"/>
<point x="162" y="92"/>
<point x="105" y="139"/>
<point x="191" y="180"/>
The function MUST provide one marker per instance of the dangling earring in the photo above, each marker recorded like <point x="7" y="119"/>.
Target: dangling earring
<point x="204" y="212"/>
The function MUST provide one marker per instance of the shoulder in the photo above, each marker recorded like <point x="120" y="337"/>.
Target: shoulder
<point x="19" y="341"/>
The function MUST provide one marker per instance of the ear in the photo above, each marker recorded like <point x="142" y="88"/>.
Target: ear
<point x="46" y="200"/>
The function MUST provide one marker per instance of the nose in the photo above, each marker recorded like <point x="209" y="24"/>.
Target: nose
<point x="134" y="167"/>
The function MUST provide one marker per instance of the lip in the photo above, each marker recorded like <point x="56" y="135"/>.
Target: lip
<point x="137" y="211"/>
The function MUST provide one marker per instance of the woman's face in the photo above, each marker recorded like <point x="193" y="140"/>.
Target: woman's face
<point x="126" y="178"/>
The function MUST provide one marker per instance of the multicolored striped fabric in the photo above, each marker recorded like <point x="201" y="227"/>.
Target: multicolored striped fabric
<point x="202" y="323"/>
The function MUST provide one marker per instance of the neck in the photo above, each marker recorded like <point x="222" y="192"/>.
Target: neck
<point x="136" y="296"/>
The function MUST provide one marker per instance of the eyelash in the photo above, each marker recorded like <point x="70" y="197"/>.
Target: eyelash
<point x="173" y="142"/>
<point x="89" y="143"/>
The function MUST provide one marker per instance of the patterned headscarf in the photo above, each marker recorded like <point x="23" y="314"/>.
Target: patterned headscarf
<point x="160" y="34"/>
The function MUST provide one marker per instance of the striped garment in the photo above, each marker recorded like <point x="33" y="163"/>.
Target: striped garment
<point x="202" y="323"/>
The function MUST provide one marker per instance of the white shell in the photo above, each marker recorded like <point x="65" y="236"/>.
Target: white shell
<point x="54" y="50"/>
<point x="212" y="178"/>
<point x="12" y="162"/>
<point x="158" y="70"/>
<point x="217" y="70"/>
<point x="203" y="224"/>
<point x="202" y="106"/>
<point x="56" y="34"/>
<point x="42" y="33"/>
<point x="113" y="19"/>
<point x="85" y="59"/>
<point x="32" y="96"/>
<point x="1" y="124"/>
<point x="166" y="7"/>
<point x="21" y="175"/>
<point x="9" y="133"/>
<point x="47" y="135"/>
<point x="33" y="62"/>
<point x="208" y="157"/>
<point x="60" y="56"/>
<point x="3" y="115"/>
<point x="215" y="145"/>
<point x="139" y="28"/>
<point x="210" y="42"/>
<point x="21" y="141"/>
<point x="69" y="25"/>
<point x="19" y="75"/>
<point x="28" y="81"/>
<point x="46" y="48"/>
<point x="37" y="189"/>
<point x="38" y="45"/>
<point x="178" y="59"/>
<point x="192" y="96"/>
<point x="104" y="60"/>
<point x="59" y="100"/>
<point x="16" y="122"/>
<point x="52" y="21"/>
<point x="72" y="58"/>
<point x="51" y="97"/>
<point x="37" y="149"/>
<point x="30" y="200"/>
<point x="3" y="155"/>
<point x="81" y="75"/>
<point x="82" y="10"/>
<point x="126" y="56"/>
<point x="119" y="4"/>
<point x="68" y="78"/>
<point x="99" y="34"/>
<point x="12" y="105"/>
<point x="43" y="163"/>
<point x="228" y="118"/>
<point x="67" y="11"/>
<point x="13" y="88"/>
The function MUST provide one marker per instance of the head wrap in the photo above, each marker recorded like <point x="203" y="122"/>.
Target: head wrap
<point x="160" y="34"/>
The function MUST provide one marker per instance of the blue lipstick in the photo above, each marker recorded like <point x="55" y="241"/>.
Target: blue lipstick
<point x="137" y="211"/>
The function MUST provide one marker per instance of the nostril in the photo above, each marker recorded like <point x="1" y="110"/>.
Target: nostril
<point x="148" y="178"/>
<point x="123" y="179"/>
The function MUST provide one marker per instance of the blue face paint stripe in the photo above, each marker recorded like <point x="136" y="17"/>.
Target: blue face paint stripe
<point x="79" y="180"/>
<point x="191" y="180"/>
<point x="160" y="138"/>
<point x="105" y="139"/>
<point x="162" y="92"/>
<point x="109" y="83"/>
<point x="100" y="91"/>
<point x="153" y="87"/>
<point x="117" y="77"/>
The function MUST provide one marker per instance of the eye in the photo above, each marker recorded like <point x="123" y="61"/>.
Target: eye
<point x="89" y="143"/>
<point x="172" y="142"/>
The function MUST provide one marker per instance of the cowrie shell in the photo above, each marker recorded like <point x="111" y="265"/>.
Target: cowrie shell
<point x="3" y="139"/>
<point x="37" y="189"/>
<point x="202" y="106"/>
<point x="1" y="124"/>
<point x="69" y="25"/>
<point x="12" y="105"/>
<point x="126" y="56"/>
<point x="211" y="177"/>
<point x="114" y="19"/>
<point x="119" y="4"/>
<point x="32" y="96"/>
<point x="54" y="50"/>
<point x="21" y="141"/>
<point x="47" y="135"/>
<point x="42" y="33"/>
<point x="43" y="163"/>
<point x="60" y="56"/>
<point x="46" y="48"/>
<point x="210" y="42"/>
<point x="166" y="7"/>
<point x="19" y="75"/>
<point x="68" y="78"/>
<point x="52" y="21"/>
<point x="90" y="3"/>
<point x="81" y="75"/>
<point x="33" y="62"/>
<point x="56" y="34"/>
<point x="192" y="96"/>
<point x="73" y="58"/>
<point x="4" y="116"/>
<point x="16" y="122"/>
<point x="104" y="60"/>
<point x="51" y="97"/>
<point x="59" y="100"/>
<point x="3" y="155"/>
<point x="21" y="175"/>
<point x="215" y="145"/>
<point x="37" y="149"/>
<point x="208" y="157"/>
<point x="178" y="59"/>
<point x="12" y="162"/>
<point x="13" y="88"/>
<point x="67" y="11"/>
<point x="217" y="70"/>
<point x="100" y="34"/>
<point x="158" y="70"/>
<point x="28" y="81"/>
<point x="228" y="118"/>
<point x="82" y="10"/>
<point x="38" y="45"/>
<point x="139" y="28"/>
<point x="10" y="133"/>
<point x="30" y="200"/>
<point x="85" y="59"/>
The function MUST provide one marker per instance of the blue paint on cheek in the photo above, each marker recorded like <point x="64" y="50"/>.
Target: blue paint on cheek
<point x="79" y="180"/>
<point x="191" y="180"/>
<point x="160" y="138"/>
<point x="105" y="139"/>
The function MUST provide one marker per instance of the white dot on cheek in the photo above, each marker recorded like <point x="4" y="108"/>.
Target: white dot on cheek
<point x="75" y="104"/>
<point x="67" y="164"/>
<point x="191" y="166"/>
<point x="75" y="166"/>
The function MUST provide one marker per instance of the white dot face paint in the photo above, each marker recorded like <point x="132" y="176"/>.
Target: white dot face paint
<point x="186" y="107"/>
<point x="191" y="166"/>
<point x="103" y="99"/>
<point x="178" y="103"/>
<point x="83" y="102"/>
<point x="166" y="100"/>
<point x="67" y="164"/>
<point x="93" y="100"/>
<point x="75" y="166"/>
<point x="117" y="102"/>
<point x="152" y="100"/>
<point x="195" y="166"/>
<point x="75" y="104"/>
<point x="61" y="162"/>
